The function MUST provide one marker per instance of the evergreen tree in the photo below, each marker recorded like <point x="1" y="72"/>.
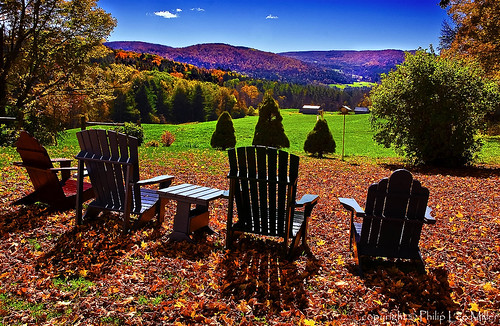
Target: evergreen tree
<point x="124" y="108"/>
<point x="162" y="107"/>
<point x="223" y="136"/>
<point x="146" y="100"/>
<point x="269" y="130"/>
<point x="180" y="103"/>
<point x="320" y="140"/>
<point x="198" y="104"/>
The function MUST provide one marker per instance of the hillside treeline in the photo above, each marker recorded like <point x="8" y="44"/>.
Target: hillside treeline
<point x="251" y="62"/>
<point x="157" y="90"/>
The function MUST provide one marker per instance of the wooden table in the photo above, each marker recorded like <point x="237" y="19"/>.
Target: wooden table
<point x="188" y="220"/>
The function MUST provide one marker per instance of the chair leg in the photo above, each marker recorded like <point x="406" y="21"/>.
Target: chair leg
<point x="420" y="264"/>
<point x="146" y="217"/>
<point x="357" y="258"/>
<point x="360" y="269"/>
<point x="290" y="251"/>
<point x="301" y="235"/>
<point x="233" y="236"/>
<point x="305" y="232"/>
<point x="229" y="239"/>
<point x="126" y="222"/>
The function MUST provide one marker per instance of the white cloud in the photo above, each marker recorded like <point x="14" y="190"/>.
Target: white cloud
<point x="271" y="17"/>
<point x="166" y="14"/>
<point x="197" y="9"/>
<point x="178" y="10"/>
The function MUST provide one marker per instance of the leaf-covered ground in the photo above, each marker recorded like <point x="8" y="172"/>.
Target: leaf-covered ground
<point x="53" y="273"/>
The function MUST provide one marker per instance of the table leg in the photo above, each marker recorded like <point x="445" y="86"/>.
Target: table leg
<point x="66" y="174"/>
<point x="161" y="212"/>
<point x="200" y="222"/>
<point x="181" y="222"/>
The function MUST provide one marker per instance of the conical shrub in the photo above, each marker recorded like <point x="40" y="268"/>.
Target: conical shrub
<point x="269" y="130"/>
<point x="223" y="136"/>
<point x="320" y="141"/>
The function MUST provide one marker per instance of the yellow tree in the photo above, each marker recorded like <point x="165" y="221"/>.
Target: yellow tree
<point x="249" y="94"/>
<point x="45" y="46"/>
<point x="476" y="33"/>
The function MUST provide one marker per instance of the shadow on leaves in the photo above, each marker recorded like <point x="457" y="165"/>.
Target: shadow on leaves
<point x="92" y="249"/>
<point x="408" y="290"/>
<point x="26" y="218"/>
<point x="200" y="248"/>
<point x="257" y="273"/>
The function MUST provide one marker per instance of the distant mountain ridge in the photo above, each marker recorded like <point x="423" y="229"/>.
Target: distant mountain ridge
<point x="368" y="64"/>
<point x="315" y="67"/>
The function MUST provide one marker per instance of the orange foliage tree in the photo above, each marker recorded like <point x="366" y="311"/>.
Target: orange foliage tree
<point x="477" y="32"/>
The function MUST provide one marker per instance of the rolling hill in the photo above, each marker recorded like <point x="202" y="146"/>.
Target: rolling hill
<point x="315" y="67"/>
<point x="367" y="65"/>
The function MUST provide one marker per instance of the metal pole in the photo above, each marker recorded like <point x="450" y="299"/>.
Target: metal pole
<point x="83" y="122"/>
<point x="343" y="137"/>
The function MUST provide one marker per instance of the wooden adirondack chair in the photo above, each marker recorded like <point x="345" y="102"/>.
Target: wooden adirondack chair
<point x="396" y="209"/>
<point x="112" y="162"/>
<point x="263" y="183"/>
<point x="60" y="194"/>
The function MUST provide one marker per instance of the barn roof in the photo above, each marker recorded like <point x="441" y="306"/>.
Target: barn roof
<point x="311" y="107"/>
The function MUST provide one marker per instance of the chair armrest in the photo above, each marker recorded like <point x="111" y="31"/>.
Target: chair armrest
<point x="21" y="164"/>
<point x="352" y="205"/>
<point x="67" y="168"/>
<point x="61" y="160"/>
<point x="163" y="180"/>
<point x="307" y="200"/>
<point x="428" y="218"/>
<point x="55" y="160"/>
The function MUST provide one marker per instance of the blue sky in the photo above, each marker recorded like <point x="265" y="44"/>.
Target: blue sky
<point x="279" y="26"/>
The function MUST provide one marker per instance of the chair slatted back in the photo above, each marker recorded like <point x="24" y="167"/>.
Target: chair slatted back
<point x="37" y="162"/>
<point x="264" y="182"/>
<point x="395" y="210"/>
<point x="112" y="163"/>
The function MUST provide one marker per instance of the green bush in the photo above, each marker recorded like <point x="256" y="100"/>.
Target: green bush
<point x="269" y="130"/>
<point x="223" y="136"/>
<point x="431" y="109"/>
<point x="8" y="136"/>
<point x="320" y="140"/>
<point x="133" y="130"/>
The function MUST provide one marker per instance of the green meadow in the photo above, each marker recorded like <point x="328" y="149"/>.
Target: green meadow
<point x="355" y="84"/>
<point x="196" y="136"/>
<point x="358" y="136"/>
